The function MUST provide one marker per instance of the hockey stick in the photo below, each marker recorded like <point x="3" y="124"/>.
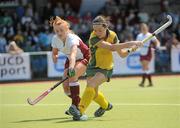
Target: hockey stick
<point x="162" y="28"/>
<point x="33" y="102"/>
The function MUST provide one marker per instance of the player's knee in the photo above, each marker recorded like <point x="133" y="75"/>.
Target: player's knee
<point x="146" y="68"/>
<point x="91" y="84"/>
<point x="73" y="79"/>
<point x="66" y="87"/>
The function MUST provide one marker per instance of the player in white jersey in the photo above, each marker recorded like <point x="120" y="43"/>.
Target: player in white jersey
<point x="77" y="54"/>
<point x="146" y="53"/>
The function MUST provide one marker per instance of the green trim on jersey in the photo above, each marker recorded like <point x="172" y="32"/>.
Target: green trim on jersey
<point x="94" y="40"/>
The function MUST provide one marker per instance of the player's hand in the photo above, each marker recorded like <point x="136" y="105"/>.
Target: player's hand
<point x="55" y="57"/>
<point x="134" y="48"/>
<point x="139" y="43"/>
<point x="71" y="72"/>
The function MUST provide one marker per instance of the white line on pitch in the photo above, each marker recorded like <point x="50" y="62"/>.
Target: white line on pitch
<point x="115" y="104"/>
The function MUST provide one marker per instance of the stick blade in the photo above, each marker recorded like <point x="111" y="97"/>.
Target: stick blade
<point x="30" y="101"/>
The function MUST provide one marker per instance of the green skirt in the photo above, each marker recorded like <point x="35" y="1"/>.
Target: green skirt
<point x="91" y="71"/>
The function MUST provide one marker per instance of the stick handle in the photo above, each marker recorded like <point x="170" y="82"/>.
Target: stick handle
<point x="148" y="38"/>
<point x="39" y="98"/>
<point x="57" y="84"/>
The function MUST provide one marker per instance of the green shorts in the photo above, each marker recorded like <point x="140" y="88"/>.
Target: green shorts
<point x="91" y="71"/>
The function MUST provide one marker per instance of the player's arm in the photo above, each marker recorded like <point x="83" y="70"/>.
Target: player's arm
<point x="124" y="52"/>
<point x="54" y="54"/>
<point x="130" y="44"/>
<point x="72" y="57"/>
<point x="119" y="48"/>
<point x="156" y="42"/>
<point x="72" y="61"/>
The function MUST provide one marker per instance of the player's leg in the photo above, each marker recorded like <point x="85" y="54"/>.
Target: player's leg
<point x="103" y="103"/>
<point x="148" y="73"/>
<point x="66" y="85"/>
<point x="143" y="64"/>
<point x="71" y="86"/>
<point x="80" y="69"/>
<point x="90" y="91"/>
<point x="66" y="89"/>
<point x="89" y="94"/>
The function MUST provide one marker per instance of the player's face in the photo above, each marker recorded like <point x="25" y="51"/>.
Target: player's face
<point x="144" y="28"/>
<point x="61" y="31"/>
<point x="100" y="31"/>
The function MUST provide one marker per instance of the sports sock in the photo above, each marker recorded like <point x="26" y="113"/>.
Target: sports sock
<point x="148" y="75"/>
<point x="101" y="100"/>
<point x="86" y="99"/>
<point x="75" y="93"/>
<point x="149" y="78"/>
<point x="143" y="78"/>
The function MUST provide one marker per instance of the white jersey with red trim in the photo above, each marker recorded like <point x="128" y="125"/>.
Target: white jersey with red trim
<point x="71" y="40"/>
<point x="145" y="48"/>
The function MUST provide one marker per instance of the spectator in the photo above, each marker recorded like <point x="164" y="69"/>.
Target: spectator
<point x="7" y="20"/>
<point x="29" y="10"/>
<point x="143" y="16"/>
<point x="43" y="40"/>
<point x="178" y="31"/>
<point x="68" y="10"/>
<point x="14" y="49"/>
<point x="26" y="18"/>
<point x="88" y="17"/>
<point x="58" y="10"/>
<point x="172" y="43"/>
<point x="124" y="17"/>
<point x="164" y="5"/>
<point x="119" y="26"/>
<point x="8" y="29"/>
<point x="19" y="38"/>
<point x="20" y="11"/>
<point x="175" y="41"/>
<point x="48" y="11"/>
<point x="3" y="43"/>
<point x="28" y="46"/>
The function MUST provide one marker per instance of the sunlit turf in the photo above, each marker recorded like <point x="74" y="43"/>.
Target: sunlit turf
<point x="134" y="107"/>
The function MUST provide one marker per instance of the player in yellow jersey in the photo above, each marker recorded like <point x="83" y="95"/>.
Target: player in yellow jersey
<point x="102" y="42"/>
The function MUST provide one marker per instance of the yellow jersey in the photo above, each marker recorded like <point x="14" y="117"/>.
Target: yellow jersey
<point x="101" y="57"/>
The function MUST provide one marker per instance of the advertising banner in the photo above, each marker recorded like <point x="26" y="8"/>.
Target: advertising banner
<point x="129" y="65"/>
<point x="14" y="67"/>
<point x="175" y="59"/>
<point x="56" y="70"/>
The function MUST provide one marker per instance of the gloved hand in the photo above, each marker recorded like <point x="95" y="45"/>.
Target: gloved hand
<point x="71" y="72"/>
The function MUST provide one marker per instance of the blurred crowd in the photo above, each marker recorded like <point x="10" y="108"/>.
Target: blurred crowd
<point x="31" y="31"/>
